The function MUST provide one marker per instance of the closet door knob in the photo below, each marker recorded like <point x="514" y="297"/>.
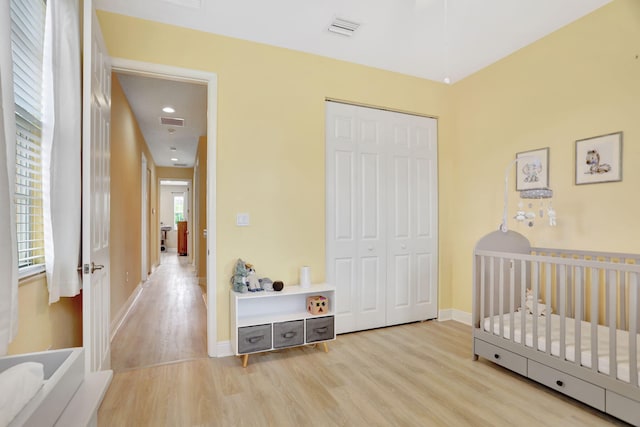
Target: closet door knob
<point x="559" y="383"/>
<point x="496" y="356"/>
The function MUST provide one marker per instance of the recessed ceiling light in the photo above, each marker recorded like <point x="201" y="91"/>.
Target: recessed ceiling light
<point x="172" y="148"/>
<point x="168" y="109"/>
<point x="174" y="159"/>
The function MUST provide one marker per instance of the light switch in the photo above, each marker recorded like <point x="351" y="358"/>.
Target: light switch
<point x="242" y="219"/>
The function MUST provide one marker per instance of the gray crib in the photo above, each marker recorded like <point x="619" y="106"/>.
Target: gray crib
<point x="567" y="319"/>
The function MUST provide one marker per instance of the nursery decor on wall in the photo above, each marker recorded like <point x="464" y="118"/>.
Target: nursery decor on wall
<point x="532" y="172"/>
<point x="599" y="159"/>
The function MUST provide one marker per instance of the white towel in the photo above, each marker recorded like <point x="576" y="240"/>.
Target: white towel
<point x="18" y="385"/>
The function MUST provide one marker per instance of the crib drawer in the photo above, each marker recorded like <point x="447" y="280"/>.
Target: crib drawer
<point x="624" y="408"/>
<point x="254" y="338"/>
<point x="501" y="356"/>
<point x="571" y="386"/>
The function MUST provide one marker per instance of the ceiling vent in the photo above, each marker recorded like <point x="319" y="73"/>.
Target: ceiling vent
<point x="343" y="27"/>
<point x="180" y="165"/>
<point x="172" y="121"/>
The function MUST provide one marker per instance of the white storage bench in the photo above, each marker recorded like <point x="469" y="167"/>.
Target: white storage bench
<point x="264" y="321"/>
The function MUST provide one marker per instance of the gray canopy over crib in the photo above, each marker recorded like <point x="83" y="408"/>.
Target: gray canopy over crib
<point x="567" y="319"/>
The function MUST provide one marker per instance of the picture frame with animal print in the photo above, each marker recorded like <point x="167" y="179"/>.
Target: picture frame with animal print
<point x="532" y="169"/>
<point x="599" y="159"/>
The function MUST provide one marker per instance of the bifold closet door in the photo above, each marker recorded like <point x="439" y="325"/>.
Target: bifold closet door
<point x="355" y="219"/>
<point x="412" y="219"/>
<point x="381" y="220"/>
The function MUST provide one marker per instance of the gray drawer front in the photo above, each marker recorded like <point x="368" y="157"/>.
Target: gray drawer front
<point x="287" y="334"/>
<point x="501" y="356"/>
<point x="624" y="408"/>
<point x="254" y="338"/>
<point x="320" y="329"/>
<point x="571" y="386"/>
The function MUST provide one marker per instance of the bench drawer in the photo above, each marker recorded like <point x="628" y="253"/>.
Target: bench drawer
<point x="502" y="357"/>
<point x="254" y="338"/>
<point x="567" y="384"/>
<point x="288" y="334"/>
<point x="320" y="329"/>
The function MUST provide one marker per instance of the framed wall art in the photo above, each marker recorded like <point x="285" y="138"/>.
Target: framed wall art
<point x="599" y="159"/>
<point x="532" y="171"/>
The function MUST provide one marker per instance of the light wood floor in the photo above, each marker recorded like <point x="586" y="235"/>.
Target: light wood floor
<point x="419" y="374"/>
<point x="167" y="323"/>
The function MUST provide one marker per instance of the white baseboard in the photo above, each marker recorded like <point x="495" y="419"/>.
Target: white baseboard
<point x="444" y="315"/>
<point x="117" y="322"/>
<point x="223" y="349"/>
<point x="454" y="314"/>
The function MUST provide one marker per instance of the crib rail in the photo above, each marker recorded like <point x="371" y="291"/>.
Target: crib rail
<point x="588" y="311"/>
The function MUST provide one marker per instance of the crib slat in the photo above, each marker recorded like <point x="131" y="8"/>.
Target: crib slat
<point x="501" y="297"/>
<point x="622" y="316"/>
<point x="512" y="298"/>
<point x="570" y="299"/>
<point x="562" y="286"/>
<point x="523" y="295"/>
<point x="483" y="290"/>
<point x="547" y="296"/>
<point x="534" y="269"/>
<point x="578" y="316"/>
<point x="633" y="328"/>
<point x="611" y="302"/>
<point x="492" y="293"/>
<point x="595" y="303"/>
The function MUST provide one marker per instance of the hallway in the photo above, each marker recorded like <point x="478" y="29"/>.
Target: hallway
<point x="168" y="321"/>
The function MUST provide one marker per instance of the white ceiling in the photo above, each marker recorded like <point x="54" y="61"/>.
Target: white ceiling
<point x="431" y="39"/>
<point x="147" y="96"/>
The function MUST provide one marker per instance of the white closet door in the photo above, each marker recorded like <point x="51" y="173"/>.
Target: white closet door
<point x="412" y="213"/>
<point x="381" y="209"/>
<point x="356" y="251"/>
<point x="371" y="219"/>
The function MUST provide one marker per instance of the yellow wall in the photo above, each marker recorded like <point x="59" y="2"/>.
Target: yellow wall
<point x="270" y="138"/>
<point x="579" y="82"/>
<point x="42" y="326"/>
<point x="127" y="146"/>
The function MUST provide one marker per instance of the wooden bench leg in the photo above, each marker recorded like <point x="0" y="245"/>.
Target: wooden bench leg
<point x="245" y="360"/>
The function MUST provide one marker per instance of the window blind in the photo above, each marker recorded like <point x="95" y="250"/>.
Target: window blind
<point x="27" y="39"/>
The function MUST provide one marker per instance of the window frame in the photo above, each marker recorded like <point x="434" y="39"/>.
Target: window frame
<point x="27" y="48"/>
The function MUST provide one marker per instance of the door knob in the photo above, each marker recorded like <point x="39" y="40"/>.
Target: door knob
<point x="95" y="267"/>
<point x="86" y="268"/>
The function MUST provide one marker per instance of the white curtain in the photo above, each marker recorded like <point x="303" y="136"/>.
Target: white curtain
<point x="8" y="248"/>
<point x="61" y="136"/>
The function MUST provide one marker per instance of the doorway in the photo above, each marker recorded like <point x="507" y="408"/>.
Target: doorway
<point x="208" y="197"/>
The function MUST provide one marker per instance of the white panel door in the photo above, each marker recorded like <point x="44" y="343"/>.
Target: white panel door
<point x="412" y="212"/>
<point x="356" y="254"/>
<point x="381" y="216"/>
<point x="95" y="194"/>
<point x="370" y="219"/>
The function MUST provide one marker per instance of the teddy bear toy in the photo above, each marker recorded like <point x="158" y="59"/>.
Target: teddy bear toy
<point x="253" y="283"/>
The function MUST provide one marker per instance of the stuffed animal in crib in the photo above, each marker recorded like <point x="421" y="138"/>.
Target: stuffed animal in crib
<point x="528" y="304"/>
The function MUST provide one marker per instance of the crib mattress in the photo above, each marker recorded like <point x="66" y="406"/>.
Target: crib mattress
<point x="622" y="340"/>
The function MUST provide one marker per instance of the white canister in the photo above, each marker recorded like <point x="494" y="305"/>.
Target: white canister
<point x="305" y="276"/>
